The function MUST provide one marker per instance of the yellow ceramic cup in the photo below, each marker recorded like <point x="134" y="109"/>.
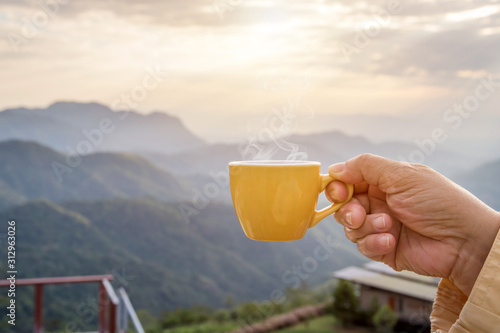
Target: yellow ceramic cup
<point x="276" y="200"/>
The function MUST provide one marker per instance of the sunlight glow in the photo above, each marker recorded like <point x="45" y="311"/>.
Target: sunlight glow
<point x="472" y="14"/>
<point x="489" y="31"/>
<point x="259" y="50"/>
<point x="468" y="74"/>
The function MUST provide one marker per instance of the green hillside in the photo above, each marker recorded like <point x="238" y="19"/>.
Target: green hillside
<point x="27" y="172"/>
<point x="9" y="197"/>
<point x="163" y="262"/>
<point x="52" y="241"/>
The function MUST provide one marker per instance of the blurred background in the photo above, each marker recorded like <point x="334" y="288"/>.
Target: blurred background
<point x="119" y="118"/>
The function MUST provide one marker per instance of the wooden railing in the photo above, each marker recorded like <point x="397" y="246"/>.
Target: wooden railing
<point x="108" y="299"/>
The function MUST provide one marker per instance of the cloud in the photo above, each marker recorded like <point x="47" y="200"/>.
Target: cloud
<point x="171" y="12"/>
<point x="99" y="47"/>
<point x="243" y="12"/>
<point x="427" y="48"/>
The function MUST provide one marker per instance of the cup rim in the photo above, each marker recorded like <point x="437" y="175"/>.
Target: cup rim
<point x="274" y="163"/>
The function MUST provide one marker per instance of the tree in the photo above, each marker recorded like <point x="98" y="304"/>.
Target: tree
<point x="345" y="303"/>
<point x="221" y="316"/>
<point x="182" y="317"/>
<point x="249" y="313"/>
<point x="296" y="298"/>
<point x="147" y="320"/>
<point x="385" y="319"/>
<point x="373" y="308"/>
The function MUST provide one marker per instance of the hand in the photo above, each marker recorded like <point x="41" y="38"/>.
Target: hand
<point x="412" y="218"/>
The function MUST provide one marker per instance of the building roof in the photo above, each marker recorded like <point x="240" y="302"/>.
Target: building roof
<point x="395" y="282"/>
<point x="383" y="268"/>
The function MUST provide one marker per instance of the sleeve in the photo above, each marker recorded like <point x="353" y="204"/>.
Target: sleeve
<point x="480" y="313"/>
<point x="447" y="306"/>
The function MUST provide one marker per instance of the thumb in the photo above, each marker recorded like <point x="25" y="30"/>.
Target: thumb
<point x="372" y="169"/>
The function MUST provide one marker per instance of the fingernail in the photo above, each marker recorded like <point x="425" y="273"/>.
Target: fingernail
<point x="384" y="240"/>
<point x="379" y="223"/>
<point x="348" y="219"/>
<point x="332" y="192"/>
<point x="336" y="168"/>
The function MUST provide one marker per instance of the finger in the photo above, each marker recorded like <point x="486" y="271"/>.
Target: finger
<point x="336" y="191"/>
<point x="376" y="246"/>
<point x="360" y="199"/>
<point x="373" y="224"/>
<point x="352" y="215"/>
<point x="372" y="169"/>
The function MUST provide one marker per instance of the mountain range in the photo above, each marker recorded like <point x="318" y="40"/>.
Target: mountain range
<point x="30" y="171"/>
<point x="71" y="127"/>
<point x="483" y="182"/>
<point x="475" y="135"/>
<point x="327" y="148"/>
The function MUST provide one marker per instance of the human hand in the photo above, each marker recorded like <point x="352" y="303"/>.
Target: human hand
<point x="412" y="218"/>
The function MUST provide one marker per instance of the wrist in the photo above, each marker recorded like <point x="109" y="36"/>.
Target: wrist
<point x="474" y="253"/>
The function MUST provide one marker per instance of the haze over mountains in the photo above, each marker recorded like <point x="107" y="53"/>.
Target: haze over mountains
<point x="81" y="128"/>
<point x="475" y="134"/>
<point x="67" y="124"/>
<point x="112" y="201"/>
<point x="327" y="148"/>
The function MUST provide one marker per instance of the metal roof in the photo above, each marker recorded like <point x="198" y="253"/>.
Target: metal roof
<point x="383" y="268"/>
<point x="390" y="282"/>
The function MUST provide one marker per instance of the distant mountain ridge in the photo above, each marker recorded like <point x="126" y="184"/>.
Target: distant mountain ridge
<point x="327" y="148"/>
<point x="27" y="172"/>
<point x="68" y="124"/>
<point x="483" y="182"/>
<point x="81" y="128"/>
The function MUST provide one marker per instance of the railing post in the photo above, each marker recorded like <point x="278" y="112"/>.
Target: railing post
<point x="113" y="304"/>
<point x="124" y="315"/>
<point x="38" y="327"/>
<point x="112" y="317"/>
<point x="102" y="308"/>
<point x="129" y="311"/>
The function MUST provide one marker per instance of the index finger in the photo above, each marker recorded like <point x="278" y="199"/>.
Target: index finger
<point x="372" y="169"/>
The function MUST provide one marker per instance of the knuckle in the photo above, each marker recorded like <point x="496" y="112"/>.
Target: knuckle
<point x="361" y="244"/>
<point x="365" y="157"/>
<point x="406" y="176"/>
<point x="421" y="167"/>
<point x="350" y="234"/>
<point x="338" y="217"/>
<point x="340" y="214"/>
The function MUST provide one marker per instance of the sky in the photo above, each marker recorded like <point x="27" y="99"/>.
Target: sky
<point x="223" y="65"/>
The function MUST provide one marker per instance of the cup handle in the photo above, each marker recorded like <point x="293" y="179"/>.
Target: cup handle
<point x="319" y="215"/>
